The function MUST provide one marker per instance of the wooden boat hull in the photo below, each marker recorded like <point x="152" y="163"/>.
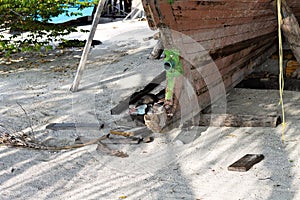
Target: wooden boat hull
<point x="220" y="42"/>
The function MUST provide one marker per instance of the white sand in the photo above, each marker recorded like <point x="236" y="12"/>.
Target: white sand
<point x="167" y="168"/>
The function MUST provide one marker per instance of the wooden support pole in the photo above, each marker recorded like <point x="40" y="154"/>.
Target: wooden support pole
<point x="290" y="27"/>
<point x="81" y="66"/>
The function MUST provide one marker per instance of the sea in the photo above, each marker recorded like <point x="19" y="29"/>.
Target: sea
<point x="64" y="18"/>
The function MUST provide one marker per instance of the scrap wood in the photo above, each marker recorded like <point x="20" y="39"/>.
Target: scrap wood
<point x="130" y="136"/>
<point x="131" y="132"/>
<point x="122" y="133"/>
<point x="73" y="126"/>
<point x="246" y="162"/>
<point x="127" y="140"/>
<point x="123" y="105"/>
<point x="238" y="120"/>
<point x="140" y="132"/>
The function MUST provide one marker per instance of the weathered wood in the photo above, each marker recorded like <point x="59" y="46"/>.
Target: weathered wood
<point x="209" y="5"/>
<point x="87" y="47"/>
<point x="246" y="162"/>
<point x="237" y="64"/>
<point x="240" y="46"/>
<point x="291" y="29"/>
<point x="129" y="140"/>
<point x="220" y="42"/>
<point x="231" y="120"/>
<point x="157" y="51"/>
<point x="131" y="132"/>
<point x="123" y="105"/>
<point x="73" y="126"/>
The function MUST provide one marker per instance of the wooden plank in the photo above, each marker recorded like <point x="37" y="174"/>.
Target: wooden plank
<point x="231" y="5"/>
<point x="237" y="120"/>
<point x="123" y="105"/>
<point x="73" y="126"/>
<point x="238" y="75"/>
<point x="182" y="25"/>
<point x="241" y="46"/>
<point x="218" y="43"/>
<point x="131" y="132"/>
<point x="206" y="95"/>
<point x="206" y="75"/>
<point x="221" y="32"/>
<point x="128" y="140"/>
<point x="246" y="162"/>
<point x="216" y="14"/>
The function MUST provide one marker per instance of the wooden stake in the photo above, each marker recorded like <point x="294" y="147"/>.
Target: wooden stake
<point x="81" y="66"/>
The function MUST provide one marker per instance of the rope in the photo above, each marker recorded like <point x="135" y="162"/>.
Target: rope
<point x="281" y="79"/>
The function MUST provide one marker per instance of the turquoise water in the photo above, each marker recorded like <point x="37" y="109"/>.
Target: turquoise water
<point x="63" y="18"/>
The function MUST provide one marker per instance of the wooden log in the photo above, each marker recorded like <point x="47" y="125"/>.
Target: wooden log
<point x="232" y="120"/>
<point x="246" y="162"/>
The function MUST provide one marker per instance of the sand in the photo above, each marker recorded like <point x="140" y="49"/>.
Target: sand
<point x="185" y="163"/>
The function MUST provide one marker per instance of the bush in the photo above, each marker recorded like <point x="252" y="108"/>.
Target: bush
<point x="34" y="16"/>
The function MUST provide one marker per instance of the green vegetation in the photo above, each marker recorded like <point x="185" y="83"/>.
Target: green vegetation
<point x="34" y="17"/>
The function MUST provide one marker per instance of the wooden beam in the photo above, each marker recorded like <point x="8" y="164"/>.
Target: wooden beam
<point x="81" y="66"/>
<point x="235" y="120"/>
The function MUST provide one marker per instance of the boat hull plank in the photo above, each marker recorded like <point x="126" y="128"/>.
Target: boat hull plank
<point x="220" y="41"/>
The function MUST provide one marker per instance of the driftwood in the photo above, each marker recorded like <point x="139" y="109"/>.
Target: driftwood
<point x="230" y="120"/>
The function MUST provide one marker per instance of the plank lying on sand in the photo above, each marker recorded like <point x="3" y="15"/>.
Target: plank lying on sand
<point x="73" y="126"/>
<point x="246" y="162"/>
<point x="237" y="120"/>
